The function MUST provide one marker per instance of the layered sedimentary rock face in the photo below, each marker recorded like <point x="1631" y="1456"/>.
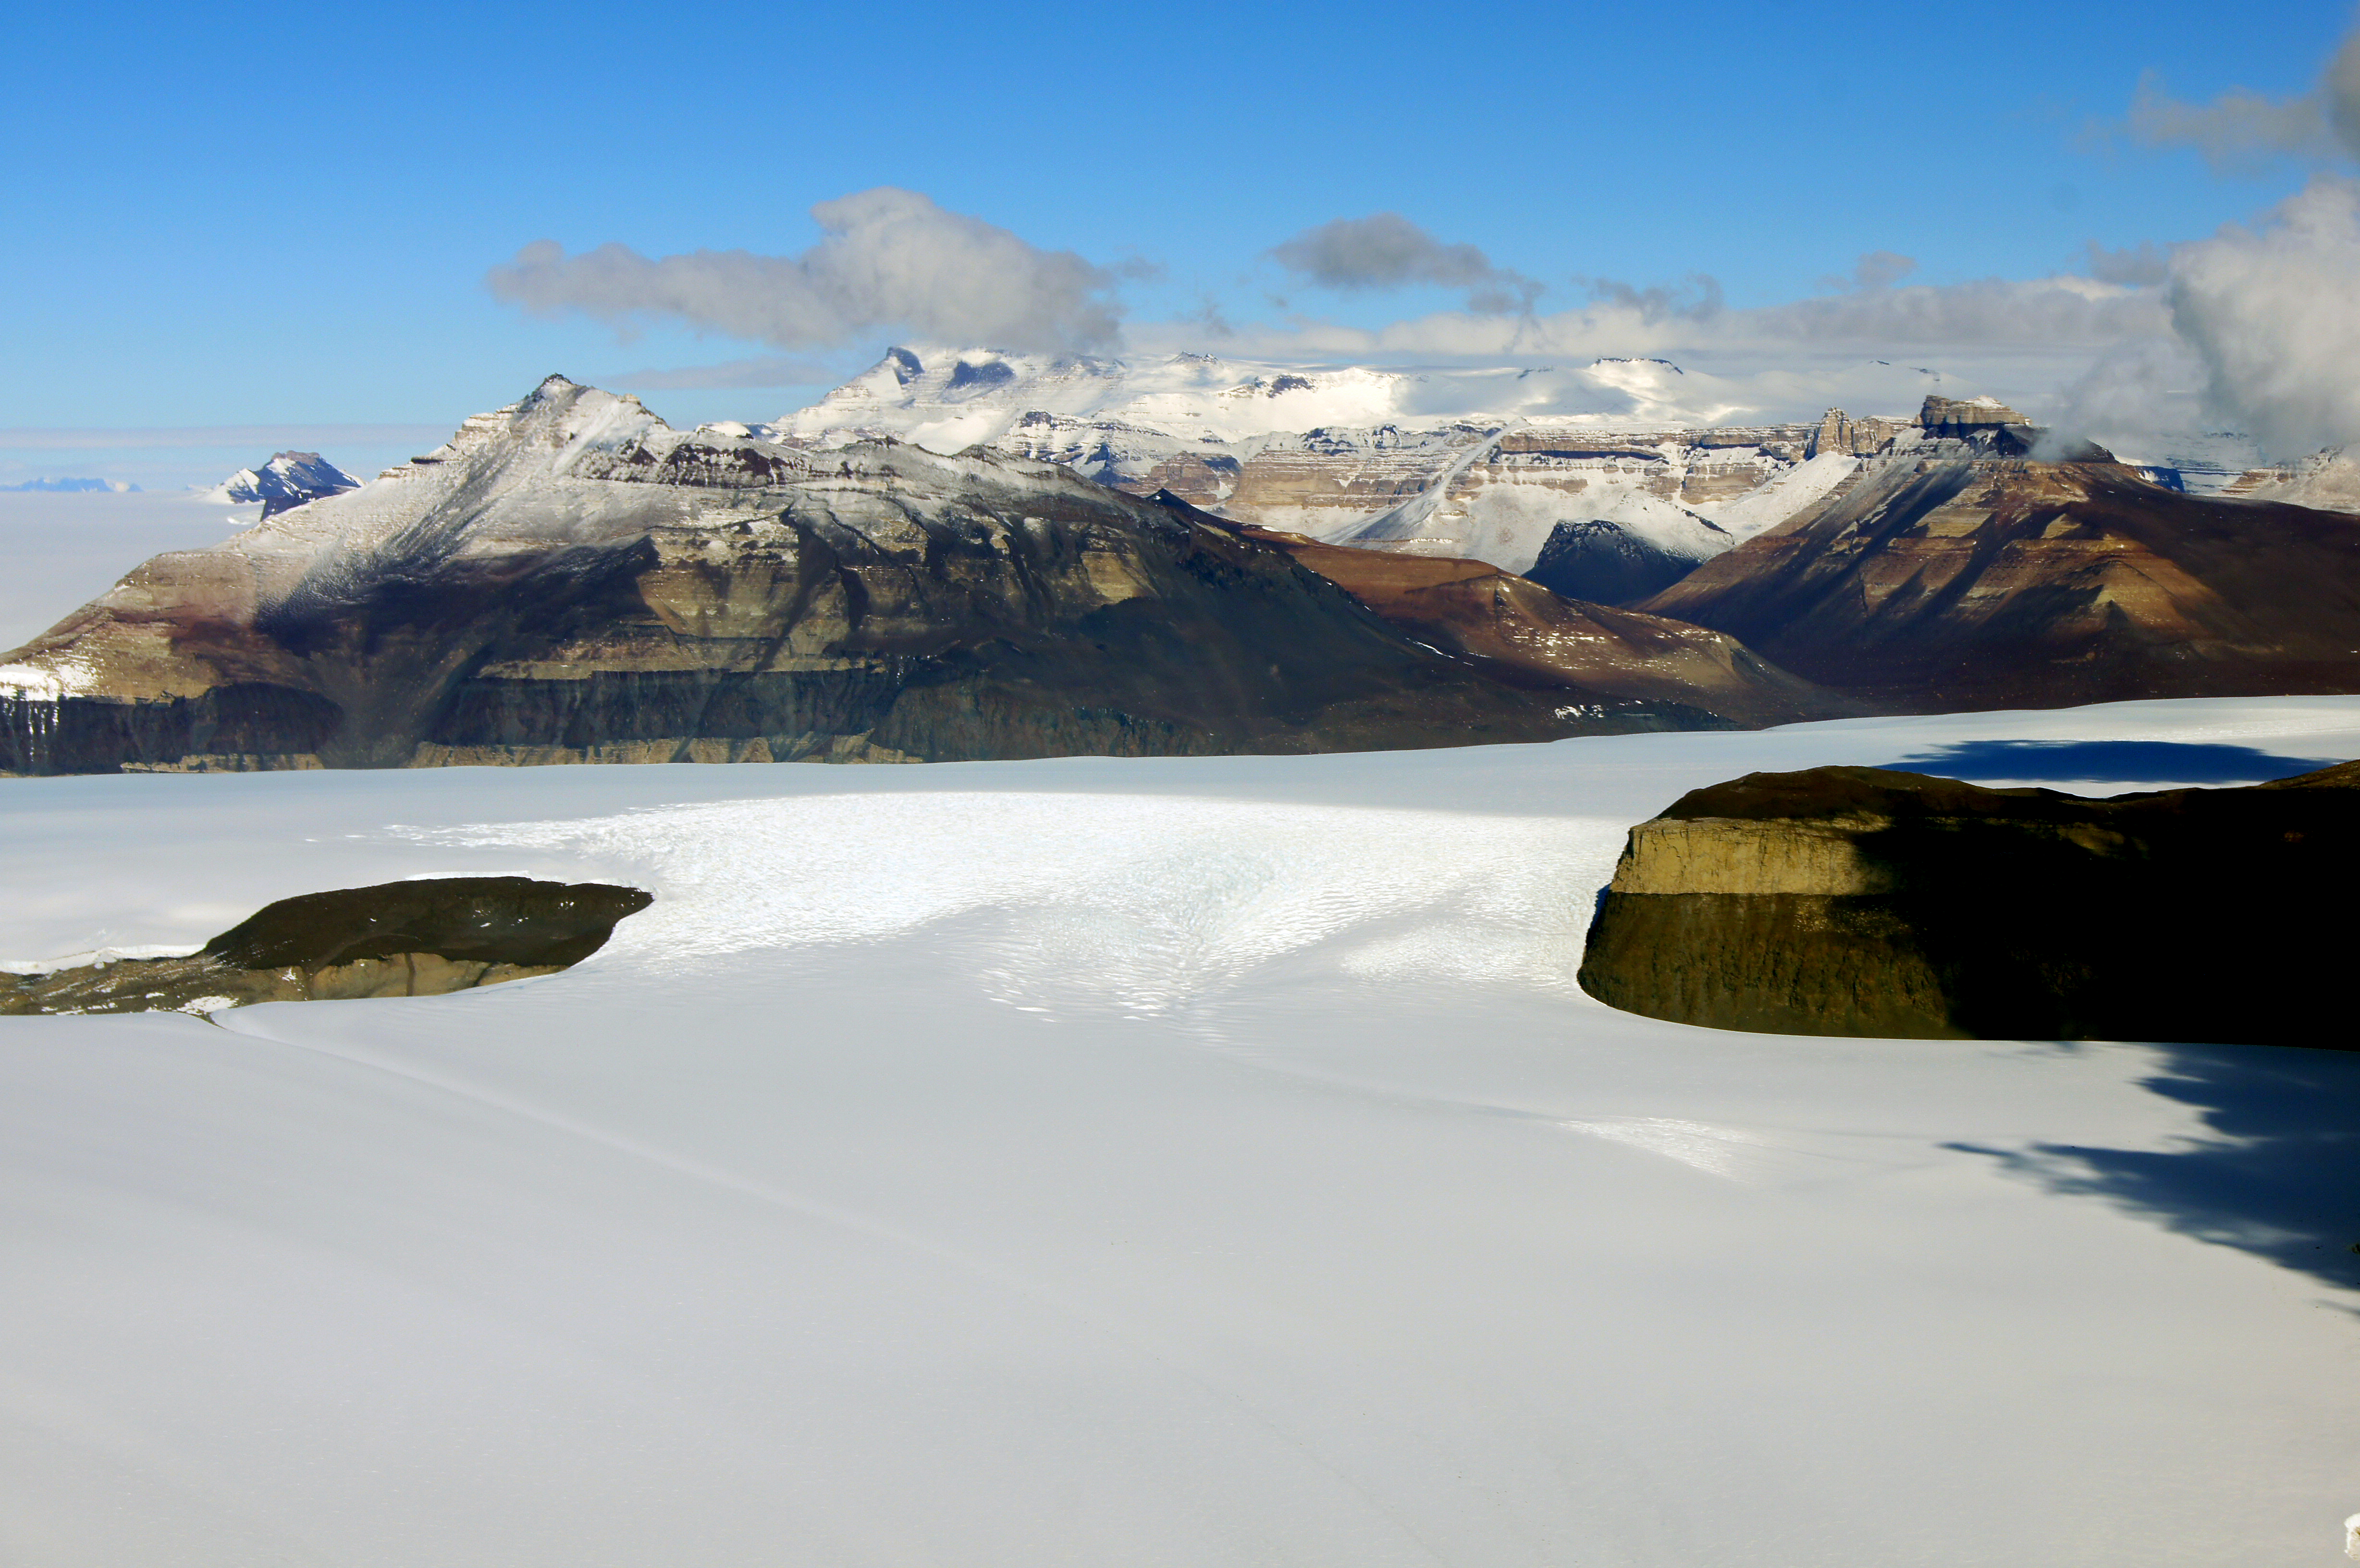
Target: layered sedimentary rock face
<point x="570" y="580"/>
<point x="1954" y="571"/>
<point x="1865" y="901"/>
<point x="425" y="938"/>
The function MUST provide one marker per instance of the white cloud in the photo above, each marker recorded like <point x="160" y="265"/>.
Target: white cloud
<point x="2053" y="319"/>
<point x="2272" y="314"/>
<point x="890" y="260"/>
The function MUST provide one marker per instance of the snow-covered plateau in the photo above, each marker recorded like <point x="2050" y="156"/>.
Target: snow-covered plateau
<point x="1202" y="1162"/>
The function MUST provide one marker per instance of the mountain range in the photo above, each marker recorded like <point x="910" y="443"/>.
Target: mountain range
<point x="73" y="486"/>
<point x="570" y="579"/>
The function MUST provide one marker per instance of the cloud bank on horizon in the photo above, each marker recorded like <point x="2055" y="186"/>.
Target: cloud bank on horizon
<point x="2254" y="327"/>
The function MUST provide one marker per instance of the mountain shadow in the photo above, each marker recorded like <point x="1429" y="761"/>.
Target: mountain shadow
<point x="2110" y="761"/>
<point x="2278" y="1178"/>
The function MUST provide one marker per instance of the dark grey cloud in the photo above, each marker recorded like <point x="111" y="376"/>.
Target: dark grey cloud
<point x="1696" y="298"/>
<point x="1874" y="269"/>
<point x="889" y="259"/>
<point x="1385" y="250"/>
<point x="2135" y="266"/>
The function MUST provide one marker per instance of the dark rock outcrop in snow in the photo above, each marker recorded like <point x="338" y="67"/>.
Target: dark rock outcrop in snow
<point x="424" y="938"/>
<point x="1863" y="901"/>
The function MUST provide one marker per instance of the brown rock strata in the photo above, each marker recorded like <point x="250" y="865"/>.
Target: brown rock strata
<point x="1863" y="901"/>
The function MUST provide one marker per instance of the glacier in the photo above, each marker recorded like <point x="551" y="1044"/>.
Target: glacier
<point x="1201" y="1160"/>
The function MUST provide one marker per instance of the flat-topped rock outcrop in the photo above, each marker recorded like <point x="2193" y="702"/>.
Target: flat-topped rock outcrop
<point x="424" y="938"/>
<point x="1866" y="901"/>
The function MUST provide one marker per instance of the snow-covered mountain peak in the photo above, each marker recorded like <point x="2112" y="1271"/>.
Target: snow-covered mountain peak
<point x="290" y="479"/>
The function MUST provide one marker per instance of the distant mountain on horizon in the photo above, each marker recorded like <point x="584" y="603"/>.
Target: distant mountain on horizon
<point x="72" y="487"/>
<point x="290" y="479"/>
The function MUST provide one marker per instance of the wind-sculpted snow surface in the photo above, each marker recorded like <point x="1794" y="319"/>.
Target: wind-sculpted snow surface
<point x="1206" y="1161"/>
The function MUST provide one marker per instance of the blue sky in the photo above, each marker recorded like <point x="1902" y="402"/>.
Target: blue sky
<point x="267" y="216"/>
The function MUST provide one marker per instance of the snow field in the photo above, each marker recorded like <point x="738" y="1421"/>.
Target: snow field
<point x="1192" y="1161"/>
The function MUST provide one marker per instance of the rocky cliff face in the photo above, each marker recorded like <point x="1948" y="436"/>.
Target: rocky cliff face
<point x="1477" y="465"/>
<point x="569" y="580"/>
<point x="1861" y="901"/>
<point x="1953" y="572"/>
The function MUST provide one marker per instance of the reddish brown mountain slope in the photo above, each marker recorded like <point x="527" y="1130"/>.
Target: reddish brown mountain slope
<point x="1521" y="633"/>
<point x="1956" y="579"/>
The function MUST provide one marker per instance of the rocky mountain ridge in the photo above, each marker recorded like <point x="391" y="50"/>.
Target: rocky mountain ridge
<point x="569" y="579"/>
<point x="1479" y="464"/>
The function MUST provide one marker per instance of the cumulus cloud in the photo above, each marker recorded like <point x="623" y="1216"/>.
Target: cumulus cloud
<point x="2057" y="312"/>
<point x="2272" y="314"/>
<point x="2242" y="128"/>
<point x="889" y="259"/>
<point x="1386" y="250"/>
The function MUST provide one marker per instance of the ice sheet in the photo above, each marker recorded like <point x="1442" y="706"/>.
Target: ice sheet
<point x="1189" y="1161"/>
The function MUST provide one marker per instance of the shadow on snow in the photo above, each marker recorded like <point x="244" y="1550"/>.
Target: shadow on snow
<point x="2110" y="761"/>
<point x="2278" y="1177"/>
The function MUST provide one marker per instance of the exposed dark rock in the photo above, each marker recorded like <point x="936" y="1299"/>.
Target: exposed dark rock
<point x="1606" y="563"/>
<point x="424" y="938"/>
<point x="1863" y="901"/>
